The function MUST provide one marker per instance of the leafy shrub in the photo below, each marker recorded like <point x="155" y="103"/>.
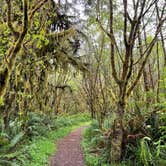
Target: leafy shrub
<point x="71" y="120"/>
<point x="38" y="124"/>
<point x="147" y="151"/>
<point x="96" y="146"/>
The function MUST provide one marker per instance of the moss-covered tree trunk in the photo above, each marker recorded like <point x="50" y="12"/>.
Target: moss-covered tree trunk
<point x="18" y="38"/>
<point x="117" y="135"/>
<point x="13" y="50"/>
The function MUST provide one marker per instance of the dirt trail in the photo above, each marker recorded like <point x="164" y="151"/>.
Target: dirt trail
<point x="69" y="150"/>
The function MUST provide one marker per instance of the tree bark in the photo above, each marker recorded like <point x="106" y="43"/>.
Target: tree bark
<point x="117" y="136"/>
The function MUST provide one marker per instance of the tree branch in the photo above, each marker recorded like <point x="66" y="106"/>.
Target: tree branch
<point x="36" y="7"/>
<point x="9" y="20"/>
<point x="114" y="72"/>
<point x="148" y="52"/>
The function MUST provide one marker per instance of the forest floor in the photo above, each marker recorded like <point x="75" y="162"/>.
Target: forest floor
<point x="69" y="151"/>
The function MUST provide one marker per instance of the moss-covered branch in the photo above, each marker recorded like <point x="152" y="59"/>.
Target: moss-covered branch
<point x="9" y="20"/>
<point x="13" y="51"/>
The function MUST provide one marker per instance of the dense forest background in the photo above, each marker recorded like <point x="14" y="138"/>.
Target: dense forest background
<point x="104" y="59"/>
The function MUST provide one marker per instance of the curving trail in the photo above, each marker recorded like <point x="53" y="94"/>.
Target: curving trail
<point x="69" y="150"/>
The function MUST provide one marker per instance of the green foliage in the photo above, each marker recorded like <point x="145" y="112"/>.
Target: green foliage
<point x="36" y="142"/>
<point x="37" y="124"/>
<point x="97" y="153"/>
<point x="145" y="151"/>
<point x="95" y="146"/>
<point x="145" y="154"/>
<point x="16" y="139"/>
<point x="152" y="153"/>
<point x="42" y="147"/>
<point x="91" y="159"/>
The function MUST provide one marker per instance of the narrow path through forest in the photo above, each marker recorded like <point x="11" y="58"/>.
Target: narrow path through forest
<point x="69" y="151"/>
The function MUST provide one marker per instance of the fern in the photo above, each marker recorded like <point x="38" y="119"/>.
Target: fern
<point x="16" y="139"/>
<point x="145" y="153"/>
<point x="5" y="162"/>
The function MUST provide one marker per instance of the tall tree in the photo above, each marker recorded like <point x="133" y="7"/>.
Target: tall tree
<point x="132" y="32"/>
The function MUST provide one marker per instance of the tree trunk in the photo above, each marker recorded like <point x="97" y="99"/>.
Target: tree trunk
<point x="146" y="87"/>
<point x="117" y="136"/>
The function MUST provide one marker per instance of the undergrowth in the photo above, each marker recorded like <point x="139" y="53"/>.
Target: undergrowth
<point x="144" y="152"/>
<point x="34" y="149"/>
<point x="94" y="145"/>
